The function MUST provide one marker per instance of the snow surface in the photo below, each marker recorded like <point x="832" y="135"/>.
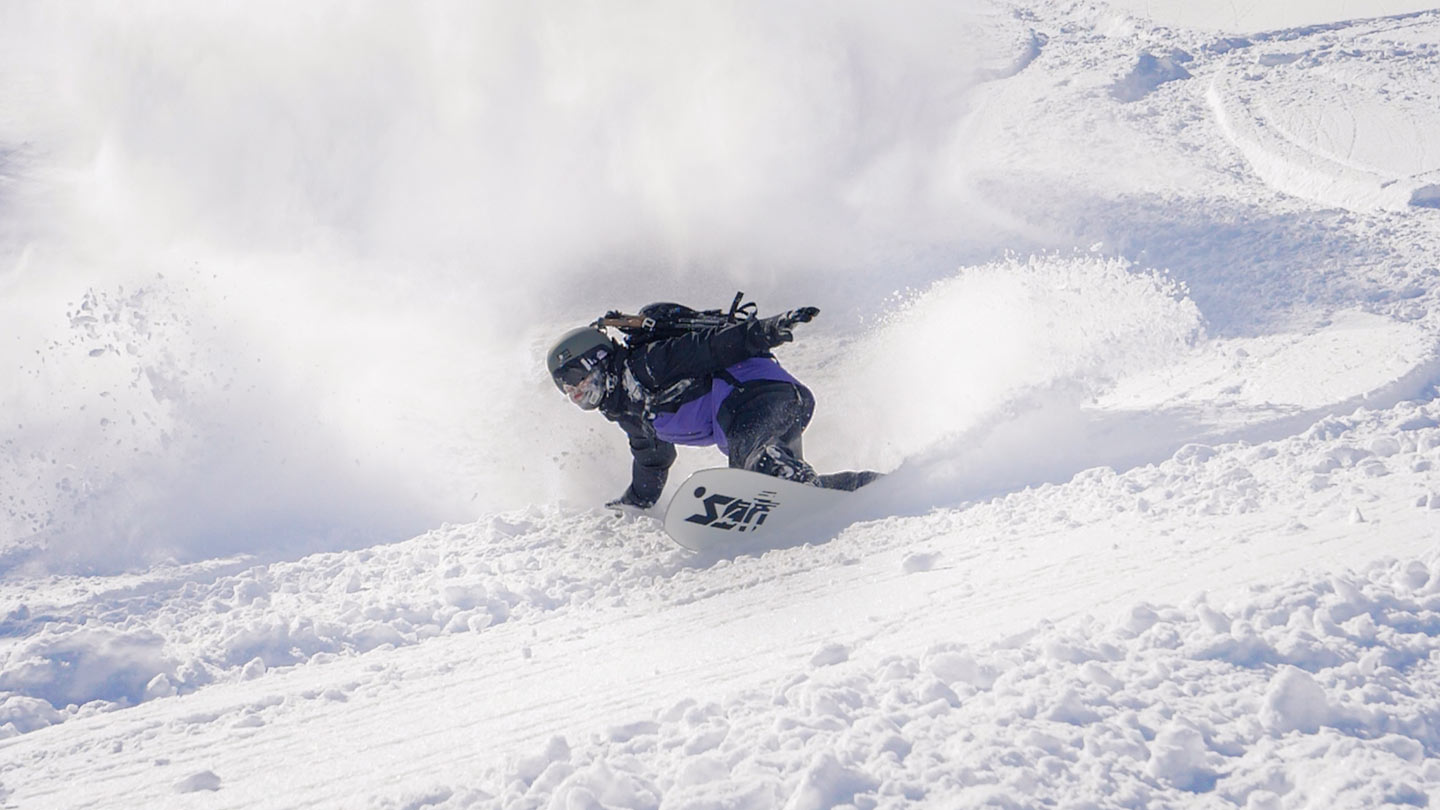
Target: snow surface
<point x="1250" y="16"/>
<point x="1138" y="303"/>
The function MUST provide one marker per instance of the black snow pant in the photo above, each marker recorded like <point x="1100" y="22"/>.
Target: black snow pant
<point x="763" y="413"/>
<point x="774" y="413"/>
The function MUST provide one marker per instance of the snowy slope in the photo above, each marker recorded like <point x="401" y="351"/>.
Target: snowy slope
<point x="1142" y="316"/>
<point x="1251" y="17"/>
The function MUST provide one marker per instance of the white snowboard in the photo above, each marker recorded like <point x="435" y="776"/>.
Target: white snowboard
<point x="729" y="508"/>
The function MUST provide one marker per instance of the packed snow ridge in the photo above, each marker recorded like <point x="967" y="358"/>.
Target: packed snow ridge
<point x="1161" y="705"/>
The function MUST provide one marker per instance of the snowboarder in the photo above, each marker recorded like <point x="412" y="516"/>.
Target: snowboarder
<point x="709" y="386"/>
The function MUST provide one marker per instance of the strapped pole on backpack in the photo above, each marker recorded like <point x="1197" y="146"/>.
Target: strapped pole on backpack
<point x="647" y="327"/>
<point x="623" y="322"/>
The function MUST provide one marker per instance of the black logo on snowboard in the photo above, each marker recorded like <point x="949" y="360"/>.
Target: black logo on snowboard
<point x="728" y="513"/>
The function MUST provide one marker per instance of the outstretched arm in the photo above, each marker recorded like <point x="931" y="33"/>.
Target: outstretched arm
<point x="650" y="467"/>
<point x="705" y="352"/>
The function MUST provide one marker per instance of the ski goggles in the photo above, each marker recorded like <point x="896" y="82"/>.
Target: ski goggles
<point x="587" y="392"/>
<point x="574" y="372"/>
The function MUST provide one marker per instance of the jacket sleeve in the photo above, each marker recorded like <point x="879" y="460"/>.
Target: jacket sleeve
<point x="696" y="354"/>
<point x="649" y="468"/>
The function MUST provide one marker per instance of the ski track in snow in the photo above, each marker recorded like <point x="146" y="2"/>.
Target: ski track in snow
<point x="1358" y="133"/>
<point x="1183" y="557"/>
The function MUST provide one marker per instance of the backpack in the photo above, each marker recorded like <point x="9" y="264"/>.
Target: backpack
<point x="663" y="320"/>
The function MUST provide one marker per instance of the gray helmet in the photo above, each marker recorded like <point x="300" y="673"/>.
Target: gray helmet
<point x="575" y="354"/>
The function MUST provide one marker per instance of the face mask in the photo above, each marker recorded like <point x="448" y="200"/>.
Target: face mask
<point x="587" y="393"/>
<point x="583" y="380"/>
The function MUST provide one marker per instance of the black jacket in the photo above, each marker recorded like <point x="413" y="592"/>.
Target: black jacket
<point x="663" y="375"/>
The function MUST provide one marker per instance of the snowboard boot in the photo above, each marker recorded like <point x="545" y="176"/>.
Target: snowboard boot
<point x="781" y="462"/>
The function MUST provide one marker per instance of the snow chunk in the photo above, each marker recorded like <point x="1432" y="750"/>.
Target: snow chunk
<point x="957" y="667"/>
<point x="78" y="665"/>
<point x="1071" y="707"/>
<point x="1385" y="446"/>
<point x="1138" y="619"/>
<point x="605" y="785"/>
<point x="920" y="561"/>
<point x="1180" y="757"/>
<point x="700" y="770"/>
<point x="1214" y="620"/>
<point x="830" y="654"/>
<point x="26" y="714"/>
<point x="1413" y="576"/>
<point x="1426" y="196"/>
<point x="826" y="783"/>
<point x="1194" y="454"/>
<point x="706" y="740"/>
<point x="1096" y="673"/>
<point x="935" y="690"/>
<point x="629" y="731"/>
<point x="1294" y="702"/>
<point x="159" y="686"/>
<point x="1150" y="72"/>
<point x="254" y="669"/>
<point x="195" y="782"/>
<point x="464" y="597"/>
<point x="528" y="769"/>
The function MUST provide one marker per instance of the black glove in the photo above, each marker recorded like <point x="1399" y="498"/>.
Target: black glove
<point x="776" y="329"/>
